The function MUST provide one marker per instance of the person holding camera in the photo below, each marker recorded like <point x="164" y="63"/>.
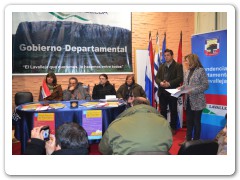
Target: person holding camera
<point x="71" y="139"/>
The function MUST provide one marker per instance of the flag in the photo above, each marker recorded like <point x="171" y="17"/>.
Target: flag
<point x="157" y="62"/>
<point x="149" y="72"/>
<point x="180" y="99"/>
<point x="163" y="48"/>
<point x="45" y="92"/>
<point x="179" y="59"/>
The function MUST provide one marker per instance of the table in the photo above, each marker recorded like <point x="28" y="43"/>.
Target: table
<point x="24" y="125"/>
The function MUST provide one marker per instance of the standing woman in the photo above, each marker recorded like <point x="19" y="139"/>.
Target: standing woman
<point x="50" y="90"/>
<point x="195" y="102"/>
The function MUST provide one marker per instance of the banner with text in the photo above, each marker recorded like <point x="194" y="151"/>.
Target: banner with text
<point x="212" y="51"/>
<point x="74" y="42"/>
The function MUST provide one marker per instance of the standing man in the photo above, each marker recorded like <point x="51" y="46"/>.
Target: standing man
<point x="169" y="76"/>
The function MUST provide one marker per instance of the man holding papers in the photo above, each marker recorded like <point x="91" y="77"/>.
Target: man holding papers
<point x="169" y="76"/>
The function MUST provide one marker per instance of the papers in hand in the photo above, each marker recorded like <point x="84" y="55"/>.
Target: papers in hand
<point x="177" y="92"/>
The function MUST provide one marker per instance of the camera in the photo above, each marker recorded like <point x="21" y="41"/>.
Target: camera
<point x="46" y="132"/>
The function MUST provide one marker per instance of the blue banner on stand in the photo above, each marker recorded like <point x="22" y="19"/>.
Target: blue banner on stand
<point x="212" y="51"/>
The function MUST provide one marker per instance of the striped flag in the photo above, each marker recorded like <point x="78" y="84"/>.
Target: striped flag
<point x="45" y="92"/>
<point x="163" y="48"/>
<point x="157" y="62"/>
<point x="149" y="72"/>
<point x="179" y="58"/>
<point x="180" y="99"/>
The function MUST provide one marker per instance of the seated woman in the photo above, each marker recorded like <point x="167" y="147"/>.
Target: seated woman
<point x="50" y="90"/>
<point x="130" y="89"/>
<point x="103" y="88"/>
<point x="75" y="91"/>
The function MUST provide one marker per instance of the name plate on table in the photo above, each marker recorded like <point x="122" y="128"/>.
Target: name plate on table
<point x="73" y="104"/>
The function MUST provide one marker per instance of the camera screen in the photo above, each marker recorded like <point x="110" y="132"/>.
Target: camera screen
<point x="46" y="134"/>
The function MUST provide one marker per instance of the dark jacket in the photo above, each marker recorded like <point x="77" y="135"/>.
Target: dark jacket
<point x="100" y="91"/>
<point x="37" y="147"/>
<point x="56" y="95"/>
<point x="175" y="77"/>
<point x="135" y="90"/>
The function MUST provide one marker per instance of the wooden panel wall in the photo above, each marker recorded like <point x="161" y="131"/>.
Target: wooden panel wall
<point x="171" y="23"/>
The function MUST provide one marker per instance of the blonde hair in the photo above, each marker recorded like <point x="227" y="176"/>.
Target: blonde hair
<point x="193" y="60"/>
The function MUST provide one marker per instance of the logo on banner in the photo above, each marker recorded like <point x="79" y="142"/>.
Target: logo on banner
<point x="211" y="47"/>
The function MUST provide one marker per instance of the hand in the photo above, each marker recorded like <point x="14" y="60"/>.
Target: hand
<point x="163" y="83"/>
<point x="37" y="133"/>
<point x="50" y="145"/>
<point x="130" y="99"/>
<point x="71" y="88"/>
<point x="167" y="84"/>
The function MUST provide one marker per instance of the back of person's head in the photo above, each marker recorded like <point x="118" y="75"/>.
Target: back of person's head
<point x="169" y="50"/>
<point x="52" y="75"/>
<point x="140" y="100"/>
<point x="104" y="75"/>
<point x="71" y="136"/>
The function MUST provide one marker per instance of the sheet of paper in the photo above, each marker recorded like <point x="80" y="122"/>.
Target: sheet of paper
<point x="172" y="91"/>
<point x="176" y="92"/>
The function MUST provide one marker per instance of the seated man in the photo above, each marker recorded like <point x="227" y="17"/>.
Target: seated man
<point x="71" y="139"/>
<point x="138" y="129"/>
<point x="75" y="91"/>
<point x="103" y="88"/>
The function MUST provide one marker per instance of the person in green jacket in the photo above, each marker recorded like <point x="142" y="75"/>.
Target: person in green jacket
<point x="140" y="129"/>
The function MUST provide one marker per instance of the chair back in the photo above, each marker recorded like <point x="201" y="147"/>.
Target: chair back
<point x="87" y="88"/>
<point x="23" y="97"/>
<point x="199" y="147"/>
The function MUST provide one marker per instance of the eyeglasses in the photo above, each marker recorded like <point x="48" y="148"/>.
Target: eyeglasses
<point x="72" y="83"/>
<point x="102" y="78"/>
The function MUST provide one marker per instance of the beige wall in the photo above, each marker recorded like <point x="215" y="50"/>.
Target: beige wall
<point x="171" y="23"/>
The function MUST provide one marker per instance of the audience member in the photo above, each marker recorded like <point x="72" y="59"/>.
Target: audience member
<point x="221" y="138"/>
<point x="169" y="76"/>
<point x="50" y="90"/>
<point x="196" y="80"/>
<point x="103" y="88"/>
<point x="71" y="139"/>
<point x="75" y="91"/>
<point x="139" y="129"/>
<point x="130" y="89"/>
